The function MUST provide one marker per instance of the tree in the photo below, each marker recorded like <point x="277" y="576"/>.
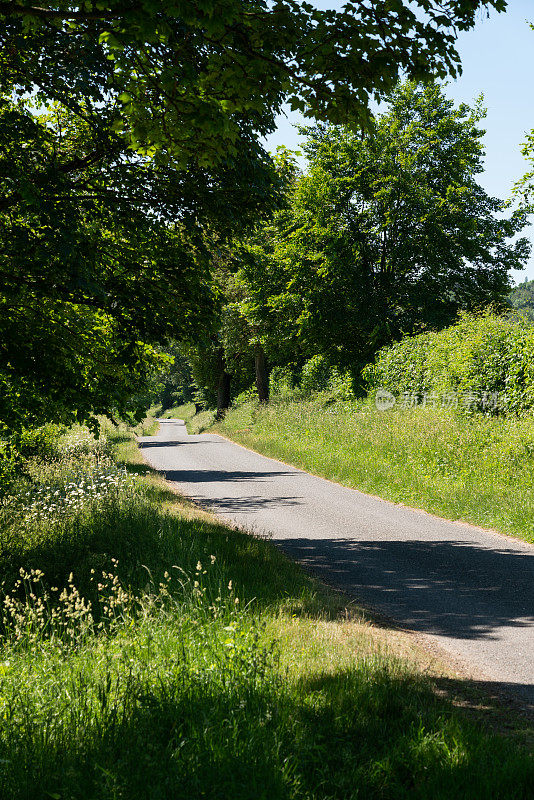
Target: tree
<point x="258" y="325"/>
<point x="389" y="233"/>
<point x="93" y="268"/>
<point x="149" y="146"/>
<point x="195" y="81"/>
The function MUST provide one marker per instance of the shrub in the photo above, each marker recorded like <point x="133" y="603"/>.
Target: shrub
<point x="8" y="468"/>
<point x="340" y="385"/>
<point x="249" y="395"/>
<point x="316" y="374"/>
<point x="40" y="442"/>
<point x="282" y="381"/>
<point x="480" y="353"/>
<point x="319" y="377"/>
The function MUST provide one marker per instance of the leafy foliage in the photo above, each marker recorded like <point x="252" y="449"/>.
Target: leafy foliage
<point x="479" y="353"/>
<point x="380" y="237"/>
<point x="93" y="268"/>
<point x="194" y="81"/>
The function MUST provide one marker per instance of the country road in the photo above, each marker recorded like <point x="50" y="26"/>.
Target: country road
<point x="471" y="590"/>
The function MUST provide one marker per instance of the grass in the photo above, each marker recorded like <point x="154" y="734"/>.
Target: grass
<point x="149" y="425"/>
<point x="182" y="411"/>
<point x="195" y="423"/>
<point x="477" y="469"/>
<point x="209" y="665"/>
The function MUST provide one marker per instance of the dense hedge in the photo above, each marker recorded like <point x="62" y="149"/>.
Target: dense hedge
<point x="473" y="360"/>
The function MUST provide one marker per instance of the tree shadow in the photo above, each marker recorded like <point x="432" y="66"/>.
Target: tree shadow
<point x="220" y="475"/>
<point x="143" y="445"/>
<point x="151" y="538"/>
<point x="245" y="504"/>
<point x="439" y="587"/>
<point x="341" y="735"/>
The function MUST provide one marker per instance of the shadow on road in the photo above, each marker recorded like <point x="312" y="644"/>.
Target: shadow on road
<point x="219" y="475"/>
<point x="246" y="504"/>
<point x="445" y="587"/>
<point x="150" y="444"/>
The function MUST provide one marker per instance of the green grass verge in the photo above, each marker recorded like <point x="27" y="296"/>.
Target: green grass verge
<point x="183" y="411"/>
<point x="212" y="666"/>
<point x="149" y="425"/>
<point x="477" y="469"/>
<point x="195" y="423"/>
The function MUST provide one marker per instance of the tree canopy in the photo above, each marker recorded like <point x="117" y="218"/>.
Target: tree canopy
<point x="191" y="80"/>
<point x="383" y="235"/>
<point x="93" y="267"/>
<point x="130" y="145"/>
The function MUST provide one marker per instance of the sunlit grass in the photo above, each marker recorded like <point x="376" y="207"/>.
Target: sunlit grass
<point x="196" y="423"/>
<point x="478" y="469"/>
<point x="149" y="651"/>
<point x="183" y="411"/>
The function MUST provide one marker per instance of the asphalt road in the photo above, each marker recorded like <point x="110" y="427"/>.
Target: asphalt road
<point x="469" y="589"/>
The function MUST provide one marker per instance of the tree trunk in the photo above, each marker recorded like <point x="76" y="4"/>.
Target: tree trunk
<point x="223" y="385"/>
<point x="262" y="375"/>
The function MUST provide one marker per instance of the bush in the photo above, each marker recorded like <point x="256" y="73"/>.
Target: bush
<point x="316" y="374"/>
<point x="319" y="377"/>
<point x="9" y="464"/>
<point x="478" y="357"/>
<point x="249" y="395"/>
<point x="16" y="451"/>
<point x="282" y="382"/>
<point x="40" y="442"/>
<point x="340" y="385"/>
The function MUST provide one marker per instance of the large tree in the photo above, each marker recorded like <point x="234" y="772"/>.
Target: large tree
<point x="95" y="262"/>
<point x="388" y="233"/>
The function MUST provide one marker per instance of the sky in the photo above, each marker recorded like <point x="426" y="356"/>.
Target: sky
<point x="498" y="61"/>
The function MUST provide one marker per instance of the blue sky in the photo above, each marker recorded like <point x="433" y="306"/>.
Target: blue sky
<point x="498" y="60"/>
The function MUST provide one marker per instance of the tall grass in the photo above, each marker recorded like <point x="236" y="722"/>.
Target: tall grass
<point x="477" y="469"/>
<point x="148" y="651"/>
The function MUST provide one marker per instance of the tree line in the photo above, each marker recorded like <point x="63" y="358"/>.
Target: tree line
<point x="140" y="214"/>
<point x="383" y="235"/>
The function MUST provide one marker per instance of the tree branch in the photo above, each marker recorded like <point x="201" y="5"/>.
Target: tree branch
<point x="13" y="9"/>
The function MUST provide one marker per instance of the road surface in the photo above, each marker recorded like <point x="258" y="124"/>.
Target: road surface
<point x="469" y="589"/>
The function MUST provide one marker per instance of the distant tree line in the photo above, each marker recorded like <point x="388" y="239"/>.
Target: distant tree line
<point x="522" y="299"/>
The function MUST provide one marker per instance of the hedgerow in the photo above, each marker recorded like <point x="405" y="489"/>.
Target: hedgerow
<point x="481" y="354"/>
